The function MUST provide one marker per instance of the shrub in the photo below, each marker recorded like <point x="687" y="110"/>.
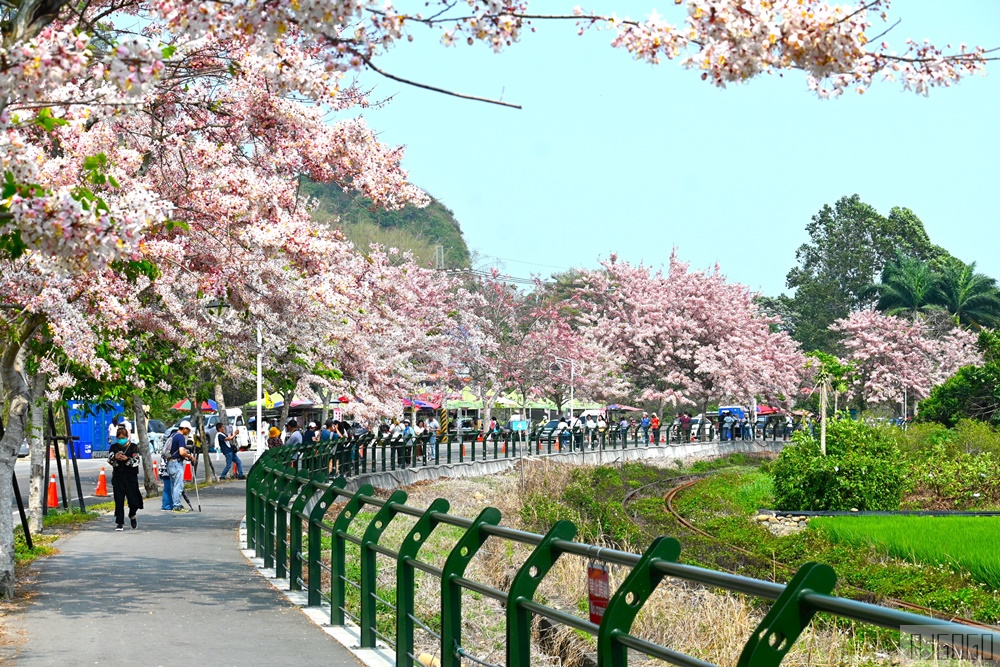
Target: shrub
<point x="862" y="470"/>
<point x="966" y="481"/>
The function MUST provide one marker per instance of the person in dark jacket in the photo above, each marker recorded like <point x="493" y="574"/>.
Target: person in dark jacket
<point x="124" y="459"/>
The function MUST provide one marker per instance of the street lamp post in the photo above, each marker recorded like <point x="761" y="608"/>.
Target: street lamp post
<point x="260" y="401"/>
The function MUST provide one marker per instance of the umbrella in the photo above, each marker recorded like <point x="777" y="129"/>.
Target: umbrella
<point x="185" y="406"/>
<point x="624" y="408"/>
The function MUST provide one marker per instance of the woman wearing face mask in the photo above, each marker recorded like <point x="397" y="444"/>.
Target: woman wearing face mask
<point x="124" y="459"/>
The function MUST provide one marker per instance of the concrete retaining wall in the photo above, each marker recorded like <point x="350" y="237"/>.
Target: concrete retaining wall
<point x="392" y="479"/>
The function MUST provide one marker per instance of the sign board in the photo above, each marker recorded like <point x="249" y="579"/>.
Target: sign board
<point x="338" y="415"/>
<point x="598" y="590"/>
<point x="519" y="425"/>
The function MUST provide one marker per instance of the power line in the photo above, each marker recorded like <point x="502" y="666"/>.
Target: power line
<point x="519" y="261"/>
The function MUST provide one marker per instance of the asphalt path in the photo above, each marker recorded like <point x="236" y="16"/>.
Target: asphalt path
<point x="177" y="591"/>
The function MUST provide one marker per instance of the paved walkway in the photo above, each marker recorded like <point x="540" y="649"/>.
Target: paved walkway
<point x="110" y="598"/>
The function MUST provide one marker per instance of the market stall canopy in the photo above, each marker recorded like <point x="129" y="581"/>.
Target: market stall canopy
<point x="624" y="408"/>
<point x="279" y="401"/>
<point x="766" y="410"/>
<point x="185" y="406"/>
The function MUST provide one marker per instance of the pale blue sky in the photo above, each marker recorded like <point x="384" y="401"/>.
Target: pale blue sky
<point x="612" y="155"/>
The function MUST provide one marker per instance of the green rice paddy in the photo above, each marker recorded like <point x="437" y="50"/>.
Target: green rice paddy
<point x="969" y="543"/>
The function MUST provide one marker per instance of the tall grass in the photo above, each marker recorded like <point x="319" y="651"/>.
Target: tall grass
<point x="969" y="543"/>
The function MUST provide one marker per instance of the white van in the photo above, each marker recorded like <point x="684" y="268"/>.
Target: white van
<point x="236" y="422"/>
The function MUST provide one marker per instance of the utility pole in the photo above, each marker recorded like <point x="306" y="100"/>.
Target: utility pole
<point x="439" y="257"/>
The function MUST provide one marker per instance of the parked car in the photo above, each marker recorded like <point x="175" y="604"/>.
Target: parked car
<point x="235" y="422"/>
<point x="695" y="425"/>
<point x="23" y="450"/>
<point x="155" y="431"/>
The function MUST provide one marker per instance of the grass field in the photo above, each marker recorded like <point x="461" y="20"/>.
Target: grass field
<point x="970" y="543"/>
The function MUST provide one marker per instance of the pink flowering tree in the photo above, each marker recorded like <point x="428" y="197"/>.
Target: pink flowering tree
<point x="149" y="174"/>
<point x="892" y="355"/>
<point x="688" y="337"/>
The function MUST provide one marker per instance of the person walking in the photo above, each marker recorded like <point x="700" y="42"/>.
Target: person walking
<point x="433" y="426"/>
<point x="124" y="459"/>
<point x="167" y="502"/>
<point x="225" y="444"/>
<point x="178" y="452"/>
<point x="274" y="438"/>
<point x="654" y="424"/>
<point x="644" y="425"/>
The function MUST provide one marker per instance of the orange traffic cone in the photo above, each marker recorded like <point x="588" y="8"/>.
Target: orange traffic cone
<point x="463" y="449"/>
<point x="102" y="485"/>
<point x="187" y="472"/>
<point x="53" y="494"/>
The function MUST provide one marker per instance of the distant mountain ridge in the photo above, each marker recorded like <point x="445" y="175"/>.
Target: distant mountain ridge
<point x="410" y="228"/>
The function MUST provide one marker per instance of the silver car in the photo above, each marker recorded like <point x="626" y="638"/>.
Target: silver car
<point x="23" y="450"/>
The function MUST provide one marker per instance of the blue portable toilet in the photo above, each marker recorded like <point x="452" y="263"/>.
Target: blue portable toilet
<point x="89" y="422"/>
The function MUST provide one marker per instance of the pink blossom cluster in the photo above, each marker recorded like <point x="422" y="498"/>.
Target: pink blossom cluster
<point x="685" y="337"/>
<point x="893" y="355"/>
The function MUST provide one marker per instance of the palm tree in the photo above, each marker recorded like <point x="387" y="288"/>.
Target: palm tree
<point x="972" y="298"/>
<point x="908" y="286"/>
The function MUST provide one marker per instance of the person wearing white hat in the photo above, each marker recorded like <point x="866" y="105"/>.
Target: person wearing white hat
<point x="178" y="452"/>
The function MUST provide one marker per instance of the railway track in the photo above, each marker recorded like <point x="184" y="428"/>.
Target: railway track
<point x="687" y="481"/>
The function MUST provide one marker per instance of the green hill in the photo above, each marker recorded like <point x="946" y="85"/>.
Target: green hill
<point x="410" y="228"/>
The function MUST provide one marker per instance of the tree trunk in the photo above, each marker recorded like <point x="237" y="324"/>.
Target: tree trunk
<point x="704" y="421"/>
<point x="18" y="397"/>
<point x="36" y="443"/>
<point x="822" y="419"/>
<point x="286" y="403"/>
<point x="200" y="425"/>
<point x="220" y="401"/>
<point x="326" y="397"/>
<point x="148" y="464"/>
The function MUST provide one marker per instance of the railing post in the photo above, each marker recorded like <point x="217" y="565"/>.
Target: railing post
<point x="523" y="587"/>
<point x="628" y="600"/>
<point x="451" y="593"/>
<point x="369" y="606"/>
<point x="787" y="618"/>
<point x="405" y="579"/>
<point x="254" y="477"/>
<point x="289" y="489"/>
<point x="338" y="553"/>
<point x="310" y="505"/>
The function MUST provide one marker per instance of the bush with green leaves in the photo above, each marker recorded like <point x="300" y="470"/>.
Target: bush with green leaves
<point x="862" y="469"/>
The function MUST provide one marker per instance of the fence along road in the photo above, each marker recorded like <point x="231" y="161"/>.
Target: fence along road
<point x="288" y="495"/>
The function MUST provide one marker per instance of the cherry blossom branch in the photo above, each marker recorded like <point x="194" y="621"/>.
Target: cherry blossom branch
<point x="444" y="91"/>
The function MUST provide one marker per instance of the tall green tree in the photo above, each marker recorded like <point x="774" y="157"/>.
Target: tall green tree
<point x="849" y="245"/>
<point x="909" y="287"/>
<point x="972" y="298"/>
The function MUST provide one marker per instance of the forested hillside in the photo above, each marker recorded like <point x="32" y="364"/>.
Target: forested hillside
<point x="410" y="228"/>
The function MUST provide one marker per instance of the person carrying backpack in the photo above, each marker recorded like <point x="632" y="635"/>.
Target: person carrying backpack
<point x="175" y="453"/>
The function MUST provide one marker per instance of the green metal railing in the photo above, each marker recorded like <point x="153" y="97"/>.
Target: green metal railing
<point x="288" y="495"/>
